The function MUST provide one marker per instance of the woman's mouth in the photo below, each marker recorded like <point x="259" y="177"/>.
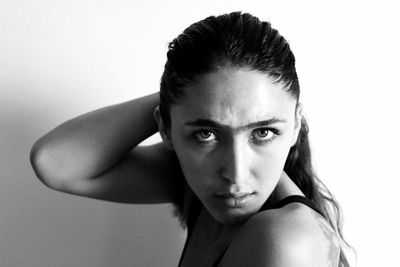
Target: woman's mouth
<point x="234" y="200"/>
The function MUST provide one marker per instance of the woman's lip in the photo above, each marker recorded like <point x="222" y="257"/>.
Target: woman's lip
<point x="234" y="200"/>
<point x="232" y="195"/>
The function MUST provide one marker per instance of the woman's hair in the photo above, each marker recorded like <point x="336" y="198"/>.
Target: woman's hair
<point x="243" y="41"/>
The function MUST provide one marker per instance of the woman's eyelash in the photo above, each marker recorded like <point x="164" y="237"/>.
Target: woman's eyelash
<point x="267" y="135"/>
<point x="260" y="135"/>
<point x="205" y="135"/>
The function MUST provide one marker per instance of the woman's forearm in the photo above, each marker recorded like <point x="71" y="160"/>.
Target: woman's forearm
<point x="90" y="144"/>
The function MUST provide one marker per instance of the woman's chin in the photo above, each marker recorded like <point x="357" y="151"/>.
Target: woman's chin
<point x="232" y="217"/>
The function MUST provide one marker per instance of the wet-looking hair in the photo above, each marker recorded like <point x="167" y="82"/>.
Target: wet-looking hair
<point x="241" y="40"/>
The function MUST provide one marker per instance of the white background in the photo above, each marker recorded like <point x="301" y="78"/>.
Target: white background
<point x="59" y="59"/>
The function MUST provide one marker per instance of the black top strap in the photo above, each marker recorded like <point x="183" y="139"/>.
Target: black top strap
<point x="291" y="199"/>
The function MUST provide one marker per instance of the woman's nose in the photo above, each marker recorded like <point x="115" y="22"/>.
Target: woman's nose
<point x="235" y="163"/>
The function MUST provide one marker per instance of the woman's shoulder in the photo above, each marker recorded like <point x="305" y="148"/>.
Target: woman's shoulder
<point x="293" y="235"/>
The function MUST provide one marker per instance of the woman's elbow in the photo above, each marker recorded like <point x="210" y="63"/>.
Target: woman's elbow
<point x="45" y="166"/>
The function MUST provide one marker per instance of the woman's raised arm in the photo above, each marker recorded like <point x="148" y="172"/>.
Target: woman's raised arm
<point x="97" y="155"/>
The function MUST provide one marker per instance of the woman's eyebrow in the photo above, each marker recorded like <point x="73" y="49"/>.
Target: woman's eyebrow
<point x="213" y="124"/>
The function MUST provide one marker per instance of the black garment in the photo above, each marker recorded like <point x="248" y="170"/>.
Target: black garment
<point x="278" y="205"/>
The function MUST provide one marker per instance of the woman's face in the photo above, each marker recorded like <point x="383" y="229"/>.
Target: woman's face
<point x="232" y="132"/>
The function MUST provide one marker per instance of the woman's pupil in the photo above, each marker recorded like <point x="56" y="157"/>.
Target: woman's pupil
<point x="263" y="132"/>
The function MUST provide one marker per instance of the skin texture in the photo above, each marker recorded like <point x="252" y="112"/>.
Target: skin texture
<point x="225" y="147"/>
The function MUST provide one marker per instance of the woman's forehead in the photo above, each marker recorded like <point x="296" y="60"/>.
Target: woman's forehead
<point x="234" y="97"/>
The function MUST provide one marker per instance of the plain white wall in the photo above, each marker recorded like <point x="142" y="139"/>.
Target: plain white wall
<point x="59" y="59"/>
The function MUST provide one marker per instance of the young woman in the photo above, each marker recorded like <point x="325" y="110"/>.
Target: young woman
<point x="235" y="157"/>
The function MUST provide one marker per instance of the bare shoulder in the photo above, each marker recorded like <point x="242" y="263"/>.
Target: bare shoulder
<point x="294" y="235"/>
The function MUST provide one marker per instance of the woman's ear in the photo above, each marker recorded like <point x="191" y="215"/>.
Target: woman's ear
<point x="297" y="125"/>
<point x="164" y="132"/>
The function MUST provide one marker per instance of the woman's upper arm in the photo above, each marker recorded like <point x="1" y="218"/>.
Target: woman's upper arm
<point x="147" y="174"/>
<point x="267" y="242"/>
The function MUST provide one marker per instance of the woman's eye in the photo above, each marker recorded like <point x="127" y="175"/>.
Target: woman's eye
<point x="263" y="135"/>
<point x="205" y="135"/>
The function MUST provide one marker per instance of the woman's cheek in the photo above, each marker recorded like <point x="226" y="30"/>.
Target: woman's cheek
<point x="270" y="160"/>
